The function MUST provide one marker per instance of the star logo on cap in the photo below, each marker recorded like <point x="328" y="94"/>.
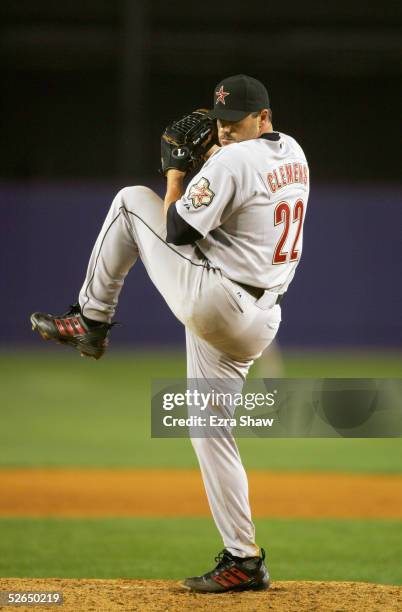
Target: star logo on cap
<point x="221" y="95"/>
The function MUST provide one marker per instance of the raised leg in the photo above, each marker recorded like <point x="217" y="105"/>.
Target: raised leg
<point x="135" y="227"/>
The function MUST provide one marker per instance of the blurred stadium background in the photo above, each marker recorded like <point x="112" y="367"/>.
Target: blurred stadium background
<point x="87" y="89"/>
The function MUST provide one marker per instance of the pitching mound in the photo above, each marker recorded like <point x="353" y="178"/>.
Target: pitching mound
<point x="167" y="595"/>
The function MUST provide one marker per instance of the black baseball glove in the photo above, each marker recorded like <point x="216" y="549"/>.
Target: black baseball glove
<point x="185" y="142"/>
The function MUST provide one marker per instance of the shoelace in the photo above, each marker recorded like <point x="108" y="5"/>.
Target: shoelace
<point x="222" y="558"/>
<point x="75" y="309"/>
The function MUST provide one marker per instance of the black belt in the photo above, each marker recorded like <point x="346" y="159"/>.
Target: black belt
<point x="257" y="292"/>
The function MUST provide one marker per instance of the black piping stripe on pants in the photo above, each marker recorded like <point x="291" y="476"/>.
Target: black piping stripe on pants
<point x="155" y="234"/>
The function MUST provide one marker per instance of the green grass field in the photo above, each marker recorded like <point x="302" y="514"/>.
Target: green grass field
<point x="172" y="548"/>
<point x="58" y="410"/>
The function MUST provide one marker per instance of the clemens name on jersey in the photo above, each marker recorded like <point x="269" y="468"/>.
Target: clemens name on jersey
<point x="287" y="175"/>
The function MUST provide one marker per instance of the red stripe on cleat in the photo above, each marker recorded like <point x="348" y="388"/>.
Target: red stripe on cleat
<point x="221" y="581"/>
<point x="69" y="327"/>
<point x="60" y="327"/>
<point x="231" y="578"/>
<point x="78" y="326"/>
<point x="239" y="573"/>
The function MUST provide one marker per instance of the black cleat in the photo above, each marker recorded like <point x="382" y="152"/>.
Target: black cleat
<point x="232" y="574"/>
<point x="70" y="328"/>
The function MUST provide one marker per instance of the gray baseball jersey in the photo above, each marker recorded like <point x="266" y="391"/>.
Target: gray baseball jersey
<point x="249" y="201"/>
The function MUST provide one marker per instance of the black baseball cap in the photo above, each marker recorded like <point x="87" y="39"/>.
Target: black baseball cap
<point x="238" y="96"/>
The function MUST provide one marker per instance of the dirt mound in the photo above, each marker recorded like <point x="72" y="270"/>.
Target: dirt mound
<point x="168" y="596"/>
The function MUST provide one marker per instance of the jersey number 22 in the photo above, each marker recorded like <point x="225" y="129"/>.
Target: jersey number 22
<point x="283" y="214"/>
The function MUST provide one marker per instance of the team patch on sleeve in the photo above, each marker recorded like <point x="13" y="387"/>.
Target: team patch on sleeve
<point x="200" y="194"/>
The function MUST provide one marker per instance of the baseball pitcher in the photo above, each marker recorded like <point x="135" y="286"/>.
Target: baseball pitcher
<point x="222" y="253"/>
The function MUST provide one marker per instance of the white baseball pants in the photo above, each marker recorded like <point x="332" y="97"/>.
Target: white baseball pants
<point x="226" y="329"/>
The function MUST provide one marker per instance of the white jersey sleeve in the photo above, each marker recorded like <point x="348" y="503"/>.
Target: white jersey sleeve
<point x="209" y="197"/>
